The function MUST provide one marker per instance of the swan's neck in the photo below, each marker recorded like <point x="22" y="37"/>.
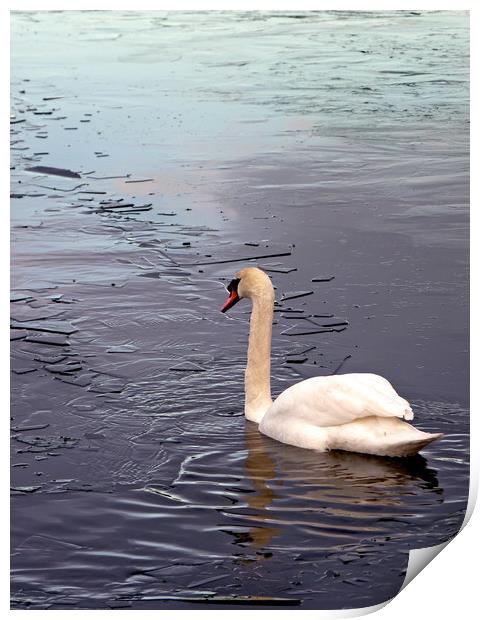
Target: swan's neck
<point x="257" y="374"/>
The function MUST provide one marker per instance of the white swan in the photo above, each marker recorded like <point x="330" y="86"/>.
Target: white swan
<point x="354" y="412"/>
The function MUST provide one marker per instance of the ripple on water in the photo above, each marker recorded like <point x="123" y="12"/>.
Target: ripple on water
<point x="228" y="508"/>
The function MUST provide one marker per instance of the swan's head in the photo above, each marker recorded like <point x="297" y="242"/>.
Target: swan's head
<point x="249" y="282"/>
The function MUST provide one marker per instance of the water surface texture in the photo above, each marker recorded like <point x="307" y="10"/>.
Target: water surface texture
<point x="153" y="154"/>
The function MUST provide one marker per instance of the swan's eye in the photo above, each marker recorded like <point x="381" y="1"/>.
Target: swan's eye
<point x="233" y="286"/>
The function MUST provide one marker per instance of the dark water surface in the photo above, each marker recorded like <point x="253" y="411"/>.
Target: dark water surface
<point x="326" y="146"/>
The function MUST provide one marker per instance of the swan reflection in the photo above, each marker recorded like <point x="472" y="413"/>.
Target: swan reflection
<point x="327" y="497"/>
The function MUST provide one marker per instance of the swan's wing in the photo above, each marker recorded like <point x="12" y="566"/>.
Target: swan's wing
<point x="387" y="398"/>
<point x="339" y="399"/>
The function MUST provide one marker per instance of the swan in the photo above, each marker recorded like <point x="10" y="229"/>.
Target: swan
<point x="358" y="412"/>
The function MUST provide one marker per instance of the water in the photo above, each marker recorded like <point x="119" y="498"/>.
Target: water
<point x="334" y="145"/>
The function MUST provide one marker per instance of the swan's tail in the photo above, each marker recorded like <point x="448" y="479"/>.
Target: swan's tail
<point x="412" y="446"/>
<point x="380" y="436"/>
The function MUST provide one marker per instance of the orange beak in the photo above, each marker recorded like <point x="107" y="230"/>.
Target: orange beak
<point x="231" y="301"/>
